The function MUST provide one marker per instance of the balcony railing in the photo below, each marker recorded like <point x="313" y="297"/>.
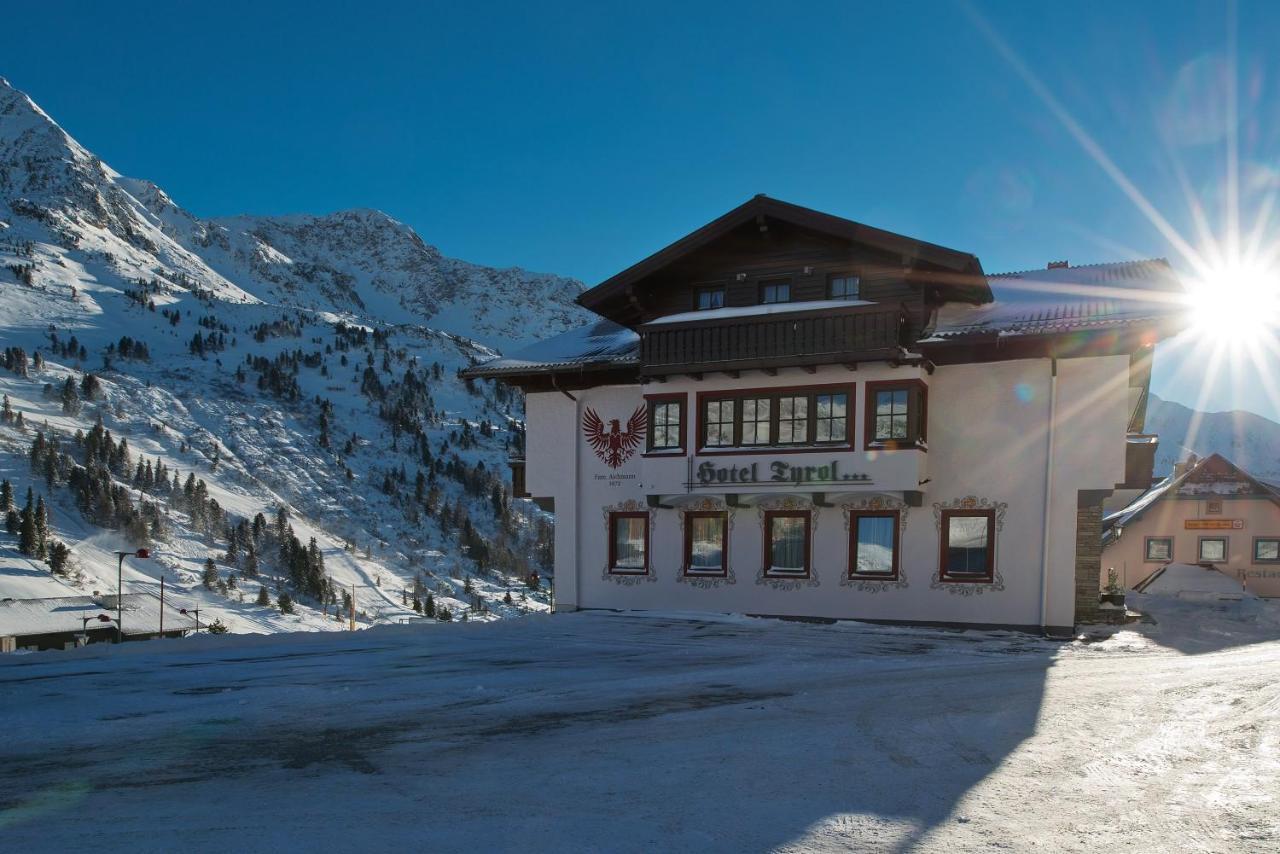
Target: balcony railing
<point x="785" y="339"/>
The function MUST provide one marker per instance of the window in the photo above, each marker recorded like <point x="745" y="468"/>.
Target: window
<point x="968" y="545"/>
<point x="1213" y="549"/>
<point x="793" y="420"/>
<point x="1159" y="549"/>
<point x="755" y="420"/>
<point x="844" y="286"/>
<point x="629" y="543"/>
<point x="1266" y="550"/>
<point x="896" y="415"/>
<point x="718" y="423"/>
<point x="709" y="298"/>
<point x="832" y="418"/>
<point x="774" y="292"/>
<point x="705" y="543"/>
<point x="1213" y="507"/>
<point x="666" y="423"/>
<point x="873" y="544"/>
<point x="786" y="543"/>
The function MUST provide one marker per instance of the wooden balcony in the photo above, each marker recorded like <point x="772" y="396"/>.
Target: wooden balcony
<point x="518" y="488"/>
<point x="799" y="338"/>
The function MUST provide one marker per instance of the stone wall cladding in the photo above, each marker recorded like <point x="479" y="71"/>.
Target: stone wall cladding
<point x="1088" y="562"/>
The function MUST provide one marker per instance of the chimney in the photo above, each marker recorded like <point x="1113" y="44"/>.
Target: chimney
<point x="1058" y="265"/>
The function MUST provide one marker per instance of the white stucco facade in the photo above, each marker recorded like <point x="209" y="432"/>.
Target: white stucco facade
<point x="1017" y="437"/>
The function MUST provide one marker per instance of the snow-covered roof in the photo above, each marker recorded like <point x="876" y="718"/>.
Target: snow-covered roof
<point x="1067" y="299"/>
<point x="1191" y="481"/>
<point x="754" y="310"/>
<point x="51" y="615"/>
<point x="601" y="344"/>
<point x="1061" y="299"/>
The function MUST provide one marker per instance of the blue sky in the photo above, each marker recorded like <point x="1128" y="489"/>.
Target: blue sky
<point x="577" y="139"/>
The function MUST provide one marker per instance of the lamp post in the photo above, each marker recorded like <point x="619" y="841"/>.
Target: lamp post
<point x="142" y="553"/>
<point x="196" y="612"/>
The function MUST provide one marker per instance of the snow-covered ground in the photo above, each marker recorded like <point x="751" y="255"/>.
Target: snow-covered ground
<point x="659" y="732"/>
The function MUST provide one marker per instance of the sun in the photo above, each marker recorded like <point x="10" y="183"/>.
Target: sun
<point x="1236" y="304"/>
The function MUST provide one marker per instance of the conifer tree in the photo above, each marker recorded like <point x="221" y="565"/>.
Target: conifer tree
<point x="6" y="496"/>
<point x="27" y="535"/>
<point x="285" y="601"/>
<point x="429" y="609"/>
<point x="59" y="554"/>
<point x="210" y="575"/>
<point x="42" y="529"/>
<point x="264" y="598"/>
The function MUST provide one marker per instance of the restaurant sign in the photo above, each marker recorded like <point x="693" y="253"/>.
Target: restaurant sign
<point x="1214" y="524"/>
<point x="774" y="473"/>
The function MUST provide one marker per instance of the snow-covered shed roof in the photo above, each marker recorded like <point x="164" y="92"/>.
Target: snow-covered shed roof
<point x="51" y="615"/>
<point x="1213" y="475"/>
<point x="1068" y="299"/>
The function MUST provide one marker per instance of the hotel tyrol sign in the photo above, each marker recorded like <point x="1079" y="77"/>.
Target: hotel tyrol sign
<point x="774" y="473"/>
<point x="612" y="444"/>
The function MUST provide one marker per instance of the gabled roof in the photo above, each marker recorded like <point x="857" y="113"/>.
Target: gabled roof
<point x="1213" y="469"/>
<point x="971" y="284"/>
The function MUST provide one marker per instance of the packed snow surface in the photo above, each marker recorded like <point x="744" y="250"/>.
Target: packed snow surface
<point x="655" y="733"/>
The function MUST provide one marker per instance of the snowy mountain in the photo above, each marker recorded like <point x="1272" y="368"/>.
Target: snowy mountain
<point x="1250" y="441"/>
<point x="217" y="388"/>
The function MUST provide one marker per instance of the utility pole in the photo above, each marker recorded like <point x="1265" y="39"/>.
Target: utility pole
<point x="162" y="603"/>
<point x="142" y="553"/>
<point x="353" y="606"/>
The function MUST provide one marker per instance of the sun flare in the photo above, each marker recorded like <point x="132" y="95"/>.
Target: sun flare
<point x="1237" y="304"/>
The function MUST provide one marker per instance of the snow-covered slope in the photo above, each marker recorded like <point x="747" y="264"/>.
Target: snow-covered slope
<point x="1250" y="441"/>
<point x="286" y="364"/>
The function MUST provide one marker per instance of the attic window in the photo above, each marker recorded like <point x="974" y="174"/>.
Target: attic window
<point x="844" y="286"/>
<point x="710" y="298"/>
<point x="1213" y="507"/>
<point x="775" y="292"/>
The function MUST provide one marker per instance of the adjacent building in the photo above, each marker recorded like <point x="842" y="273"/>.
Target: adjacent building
<point x="790" y="413"/>
<point x="1209" y="512"/>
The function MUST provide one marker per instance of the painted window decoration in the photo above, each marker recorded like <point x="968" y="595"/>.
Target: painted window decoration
<point x="1159" y="549"/>
<point x="874" y="543"/>
<point x="844" y="286"/>
<point x="706" y="540"/>
<point x="831" y="417"/>
<point x="787" y="543"/>
<point x="896" y="415"/>
<point x="793" y="420"/>
<point x="1213" y="549"/>
<point x="629" y="543"/>
<point x="666" y="424"/>
<point x="718" y="420"/>
<point x="968" y="545"/>
<point x="756" y="420"/>
<point x="775" y="292"/>
<point x="710" y="298"/>
<point x="1266" y="550"/>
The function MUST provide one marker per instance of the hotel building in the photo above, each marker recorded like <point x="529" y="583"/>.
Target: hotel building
<point x="789" y="413"/>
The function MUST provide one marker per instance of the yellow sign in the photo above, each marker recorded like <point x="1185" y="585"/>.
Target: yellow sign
<point x="1215" y="524"/>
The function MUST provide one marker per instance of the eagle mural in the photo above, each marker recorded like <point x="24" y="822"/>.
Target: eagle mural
<point x="613" y="445"/>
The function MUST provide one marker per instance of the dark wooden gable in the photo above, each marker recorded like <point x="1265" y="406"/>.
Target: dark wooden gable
<point x="767" y="240"/>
